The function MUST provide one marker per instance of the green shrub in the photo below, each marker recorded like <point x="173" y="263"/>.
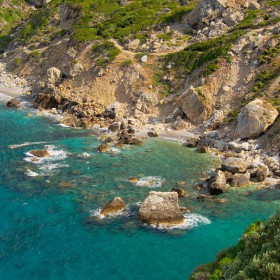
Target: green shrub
<point x="256" y="256"/>
<point x="105" y="52"/>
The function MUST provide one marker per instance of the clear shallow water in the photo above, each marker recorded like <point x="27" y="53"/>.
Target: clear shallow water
<point x="46" y="231"/>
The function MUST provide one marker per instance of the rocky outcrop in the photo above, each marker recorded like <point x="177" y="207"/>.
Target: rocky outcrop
<point x="161" y="209"/>
<point x="234" y="165"/>
<point x="103" y="148"/>
<point x="13" y="103"/>
<point x="240" y="180"/>
<point x="114" y="206"/>
<point x="255" y="118"/>
<point x="207" y="11"/>
<point x="180" y="192"/>
<point x="40" y="153"/>
<point x="54" y="76"/>
<point x="196" y="105"/>
<point x="217" y="184"/>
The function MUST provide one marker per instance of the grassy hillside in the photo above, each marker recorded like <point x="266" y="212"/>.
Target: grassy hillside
<point x="98" y="19"/>
<point x="256" y="256"/>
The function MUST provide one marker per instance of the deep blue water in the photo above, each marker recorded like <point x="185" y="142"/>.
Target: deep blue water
<point x="46" y="229"/>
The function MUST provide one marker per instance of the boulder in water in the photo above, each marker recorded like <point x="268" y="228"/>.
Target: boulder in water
<point x="161" y="209"/>
<point x="218" y="183"/>
<point x="13" y="103"/>
<point x="112" y="207"/>
<point x="103" y="148"/>
<point x="40" y="153"/>
<point x="180" y="192"/>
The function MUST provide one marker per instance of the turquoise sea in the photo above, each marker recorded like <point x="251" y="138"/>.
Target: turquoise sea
<point x="48" y="227"/>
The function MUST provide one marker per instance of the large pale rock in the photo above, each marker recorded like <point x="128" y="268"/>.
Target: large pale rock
<point x="54" y="76"/>
<point x="161" y="208"/>
<point x="196" y="104"/>
<point x="240" y="180"/>
<point x="217" y="184"/>
<point x="255" y="118"/>
<point x="113" y="206"/>
<point x="234" y="165"/>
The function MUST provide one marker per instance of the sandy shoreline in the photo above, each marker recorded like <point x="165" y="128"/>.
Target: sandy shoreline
<point x="10" y="91"/>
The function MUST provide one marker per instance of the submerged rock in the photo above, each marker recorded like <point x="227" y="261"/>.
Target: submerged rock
<point x="152" y="134"/>
<point x="103" y="148"/>
<point x="255" y="118"/>
<point x="161" y="208"/>
<point x="180" y="192"/>
<point x="112" y="207"/>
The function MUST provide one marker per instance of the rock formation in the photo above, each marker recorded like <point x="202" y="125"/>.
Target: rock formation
<point x="112" y="207"/>
<point x="255" y="118"/>
<point x="161" y="209"/>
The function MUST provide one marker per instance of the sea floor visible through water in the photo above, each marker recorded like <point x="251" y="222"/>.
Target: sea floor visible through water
<point x="49" y="226"/>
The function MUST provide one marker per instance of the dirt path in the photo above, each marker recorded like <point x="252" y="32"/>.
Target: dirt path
<point x="132" y="54"/>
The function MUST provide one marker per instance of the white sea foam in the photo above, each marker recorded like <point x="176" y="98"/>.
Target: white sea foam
<point x="25" y="144"/>
<point x="64" y="125"/>
<point x="115" y="150"/>
<point x="84" y="155"/>
<point x="49" y="167"/>
<point x="149" y="182"/>
<point x="192" y="220"/>
<point x="31" y="173"/>
<point x="97" y="213"/>
<point x="54" y="155"/>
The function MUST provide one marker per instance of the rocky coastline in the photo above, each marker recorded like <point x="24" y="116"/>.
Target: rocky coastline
<point x="226" y="106"/>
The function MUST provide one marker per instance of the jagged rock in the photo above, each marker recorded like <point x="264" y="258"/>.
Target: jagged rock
<point x="133" y="45"/>
<point x="218" y="183"/>
<point x="234" y="165"/>
<point x="180" y="192"/>
<point x="39" y="3"/>
<point x="191" y="142"/>
<point x="261" y="173"/>
<point x="40" y="153"/>
<point x="180" y="124"/>
<point x="195" y="104"/>
<point x="240" y="180"/>
<point x="54" y="76"/>
<point x="202" y="150"/>
<point x="103" y="148"/>
<point x="209" y="10"/>
<point x="233" y="18"/>
<point x="114" y="127"/>
<point x="144" y="59"/>
<point x="161" y="208"/>
<point x="173" y="116"/>
<point x="152" y="134"/>
<point x="13" y="103"/>
<point x="255" y="118"/>
<point x="114" y="206"/>
<point x="76" y="70"/>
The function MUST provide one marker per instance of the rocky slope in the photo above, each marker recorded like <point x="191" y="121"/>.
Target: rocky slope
<point x="210" y="67"/>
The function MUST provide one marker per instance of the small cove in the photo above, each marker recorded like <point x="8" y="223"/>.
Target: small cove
<point x="46" y="230"/>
